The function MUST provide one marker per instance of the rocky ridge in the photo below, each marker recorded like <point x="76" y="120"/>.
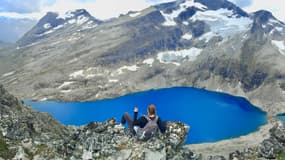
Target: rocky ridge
<point x="27" y="134"/>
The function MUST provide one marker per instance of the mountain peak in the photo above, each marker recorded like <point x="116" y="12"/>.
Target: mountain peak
<point x="263" y="16"/>
<point x="264" y="21"/>
<point x="73" y="13"/>
<point x="52" y="22"/>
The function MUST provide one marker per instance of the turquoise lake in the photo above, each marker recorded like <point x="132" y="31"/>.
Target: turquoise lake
<point x="211" y="116"/>
<point x="282" y="118"/>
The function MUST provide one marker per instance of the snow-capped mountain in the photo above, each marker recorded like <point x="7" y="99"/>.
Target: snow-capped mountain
<point x="77" y="20"/>
<point x="210" y="44"/>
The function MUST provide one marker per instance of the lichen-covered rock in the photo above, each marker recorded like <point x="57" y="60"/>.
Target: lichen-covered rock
<point x="271" y="147"/>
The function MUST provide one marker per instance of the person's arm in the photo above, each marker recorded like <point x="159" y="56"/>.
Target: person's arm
<point x="136" y="110"/>
<point x="161" y="125"/>
<point x="141" y="122"/>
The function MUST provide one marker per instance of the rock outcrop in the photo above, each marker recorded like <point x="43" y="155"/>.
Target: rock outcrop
<point x="27" y="134"/>
<point x="274" y="146"/>
<point x="271" y="148"/>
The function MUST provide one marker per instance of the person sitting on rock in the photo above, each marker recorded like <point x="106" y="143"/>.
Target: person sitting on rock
<point x="146" y="126"/>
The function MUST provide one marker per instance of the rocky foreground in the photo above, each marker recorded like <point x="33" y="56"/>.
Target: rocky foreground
<point x="27" y="134"/>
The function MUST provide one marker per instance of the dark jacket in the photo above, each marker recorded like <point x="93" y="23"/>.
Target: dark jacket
<point x="142" y="121"/>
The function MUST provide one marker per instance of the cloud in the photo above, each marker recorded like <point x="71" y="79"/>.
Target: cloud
<point x="117" y="7"/>
<point x="105" y="9"/>
<point x="242" y="3"/>
<point x="20" y="6"/>
<point x="277" y="7"/>
<point x="102" y="9"/>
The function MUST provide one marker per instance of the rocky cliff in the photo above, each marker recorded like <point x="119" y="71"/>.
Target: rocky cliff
<point x="27" y="134"/>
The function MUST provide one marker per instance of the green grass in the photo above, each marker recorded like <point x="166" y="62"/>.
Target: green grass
<point x="281" y="156"/>
<point x="4" y="150"/>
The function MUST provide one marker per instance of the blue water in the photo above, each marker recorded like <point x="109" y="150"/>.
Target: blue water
<point x="282" y="118"/>
<point x="212" y="116"/>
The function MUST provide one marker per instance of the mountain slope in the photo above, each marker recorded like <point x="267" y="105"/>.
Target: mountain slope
<point x="206" y="44"/>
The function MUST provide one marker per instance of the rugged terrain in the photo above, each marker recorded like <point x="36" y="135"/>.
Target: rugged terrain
<point x="27" y="134"/>
<point x="205" y="44"/>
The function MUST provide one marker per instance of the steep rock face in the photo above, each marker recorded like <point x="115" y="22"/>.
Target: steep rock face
<point x="26" y="134"/>
<point x="19" y="122"/>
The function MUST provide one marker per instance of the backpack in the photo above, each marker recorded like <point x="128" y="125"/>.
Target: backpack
<point x="149" y="130"/>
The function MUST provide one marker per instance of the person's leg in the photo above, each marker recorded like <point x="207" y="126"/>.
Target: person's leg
<point x="127" y="118"/>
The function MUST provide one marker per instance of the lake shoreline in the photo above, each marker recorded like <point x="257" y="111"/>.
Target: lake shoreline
<point x="227" y="146"/>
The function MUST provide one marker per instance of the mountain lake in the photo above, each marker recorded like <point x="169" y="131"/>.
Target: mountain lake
<point x="212" y="116"/>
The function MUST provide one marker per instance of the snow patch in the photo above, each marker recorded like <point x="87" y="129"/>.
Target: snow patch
<point x="169" y="18"/>
<point x="179" y="56"/>
<point x="65" y="84"/>
<point x="148" y="61"/>
<point x="130" y="68"/>
<point x="187" y="36"/>
<point x="223" y="22"/>
<point x="280" y="45"/>
<point x="73" y="38"/>
<point x="208" y="36"/>
<point x="135" y="14"/>
<point x="273" y="22"/>
<point x="66" y="15"/>
<point x="51" y="30"/>
<point x="72" y="21"/>
<point x="263" y="26"/>
<point x="47" y="26"/>
<point x="47" y="32"/>
<point x="244" y="37"/>
<point x="185" y="23"/>
<point x="90" y="76"/>
<point x="113" y="80"/>
<point x="65" y="91"/>
<point x="279" y="29"/>
<point x="77" y="74"/>
<point x="43" y="99"/>
<point x="8" y="74"/>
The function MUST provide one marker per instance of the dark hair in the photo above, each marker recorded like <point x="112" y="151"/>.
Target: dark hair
<point x="151" y="109"/>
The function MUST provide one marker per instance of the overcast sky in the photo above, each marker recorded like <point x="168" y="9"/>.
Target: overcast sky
<point x="104" y="9"/>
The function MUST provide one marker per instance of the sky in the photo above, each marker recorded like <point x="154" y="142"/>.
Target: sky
<point x="105" y="9"/>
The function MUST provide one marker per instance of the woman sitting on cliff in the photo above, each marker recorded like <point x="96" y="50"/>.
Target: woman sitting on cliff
<point x="144" y="127"/>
